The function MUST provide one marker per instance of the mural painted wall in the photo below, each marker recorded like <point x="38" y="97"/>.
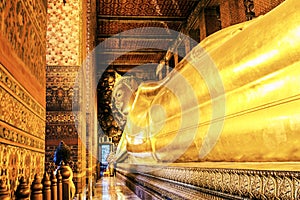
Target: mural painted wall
<point x="22" y="89"/>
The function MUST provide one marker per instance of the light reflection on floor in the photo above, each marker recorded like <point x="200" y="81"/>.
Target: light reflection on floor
<point x="112" y="188"/>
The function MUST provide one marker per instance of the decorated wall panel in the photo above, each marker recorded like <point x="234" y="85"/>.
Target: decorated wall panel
<point x="22" y="132"/>
<point x="23" y="26"/>
<point x="63" y="33"/>
<point x="62" y="104"/>
<point x="61" y="125"/>
<point x="62" y="119"/>
<point x="264" y="6"/>
<point x="232" y="12"/>
<point x="22" y="44"/>
<point x="70" y="38"/>
<point x="18" y="108"/>
<point x="22" y="86"/>
<point x="60" y="91"/>
<point x="114" y="27"/>
<point x="16" y="162"/>
<point x="146" y="8"/>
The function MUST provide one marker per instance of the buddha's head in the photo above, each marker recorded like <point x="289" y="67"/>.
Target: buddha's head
<point x="62" y="153"/>
<point x="123" y="92"/>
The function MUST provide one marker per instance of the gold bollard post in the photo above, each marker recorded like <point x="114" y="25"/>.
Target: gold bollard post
<point x="59" y="186"/>
<point x="23" y="191"/>
<point x="46" y="189"/>
<point x="65" y="181"/>
<point x="36" y="189"/>
<point x="53" y="186"/>
<point x="4" y="192"/>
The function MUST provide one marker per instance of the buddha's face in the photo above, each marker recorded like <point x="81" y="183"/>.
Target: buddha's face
<point x="121" y="96"/>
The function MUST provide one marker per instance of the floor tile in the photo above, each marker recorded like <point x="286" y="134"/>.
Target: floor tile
<point x="112" y="188"/>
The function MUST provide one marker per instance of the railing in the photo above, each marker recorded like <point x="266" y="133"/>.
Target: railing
<point x="54" y="187"/>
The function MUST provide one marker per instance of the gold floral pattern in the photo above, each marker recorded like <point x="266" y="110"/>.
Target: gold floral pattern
<point x="23" y="25"/>
<point x="63" y="33"/>
<point x="16" y="162"/>
<point x="253" y="184"/>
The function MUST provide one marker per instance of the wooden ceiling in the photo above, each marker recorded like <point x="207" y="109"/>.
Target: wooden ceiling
<point x="137" y="32"/>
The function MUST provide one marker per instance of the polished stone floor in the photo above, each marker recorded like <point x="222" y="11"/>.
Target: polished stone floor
<point x="112" y="188"/>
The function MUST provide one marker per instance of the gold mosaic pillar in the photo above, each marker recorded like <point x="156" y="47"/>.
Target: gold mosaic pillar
<point x="22" y="89"/>
<point x="69" y="39"/>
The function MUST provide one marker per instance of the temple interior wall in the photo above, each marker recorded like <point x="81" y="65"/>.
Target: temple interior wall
<point x="22" y="89"/>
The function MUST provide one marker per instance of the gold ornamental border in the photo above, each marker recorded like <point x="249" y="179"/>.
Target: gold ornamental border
<point x="232" y="183"/>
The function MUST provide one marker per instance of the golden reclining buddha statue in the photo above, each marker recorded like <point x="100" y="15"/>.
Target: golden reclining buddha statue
<point x="234" y="98"/>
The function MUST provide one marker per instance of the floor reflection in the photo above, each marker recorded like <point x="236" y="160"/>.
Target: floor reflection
<point x="112" y="188"/>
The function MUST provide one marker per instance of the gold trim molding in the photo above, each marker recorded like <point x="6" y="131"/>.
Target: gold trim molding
<point x="8" y="83"/>
<point x="14" y="137"/>
<point x="223" y="182"/>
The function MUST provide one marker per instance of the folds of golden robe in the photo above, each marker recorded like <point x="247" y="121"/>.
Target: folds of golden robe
<point x="235" y="97"/>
